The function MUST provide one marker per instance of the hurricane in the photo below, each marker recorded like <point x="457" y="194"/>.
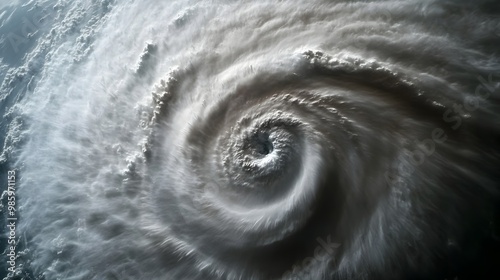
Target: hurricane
<point x="250" y="139"/>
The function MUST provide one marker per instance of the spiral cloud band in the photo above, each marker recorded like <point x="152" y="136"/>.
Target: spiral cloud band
<point x="254" y="139"/>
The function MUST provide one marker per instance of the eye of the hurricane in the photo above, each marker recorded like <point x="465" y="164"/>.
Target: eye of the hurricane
<point x="259" y="154"/>
<point x="263" y="145"/>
